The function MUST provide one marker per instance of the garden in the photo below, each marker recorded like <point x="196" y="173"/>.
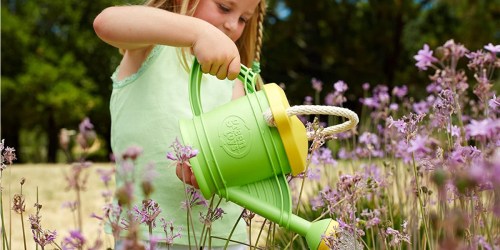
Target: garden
<point x="421" y="170"/>
<point x="414" y="174"/>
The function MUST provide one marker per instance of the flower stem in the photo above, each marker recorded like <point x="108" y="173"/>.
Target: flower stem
<point x="5" y="244"/>
<point x="417" y="183"/>
<point x="232" y="231"/>
<point x="24" y="233"/>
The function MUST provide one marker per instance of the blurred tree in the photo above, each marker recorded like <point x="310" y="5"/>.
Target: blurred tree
<point x="360" y="41"/>
<point x="55" y="71"/>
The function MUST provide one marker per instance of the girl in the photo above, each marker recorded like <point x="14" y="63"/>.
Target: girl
<point x="150" y="88"/>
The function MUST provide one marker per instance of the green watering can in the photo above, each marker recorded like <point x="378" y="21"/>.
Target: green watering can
<point x="248" y="146"/>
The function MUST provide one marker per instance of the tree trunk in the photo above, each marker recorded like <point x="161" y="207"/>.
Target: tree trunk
<point x="53" y="140"/>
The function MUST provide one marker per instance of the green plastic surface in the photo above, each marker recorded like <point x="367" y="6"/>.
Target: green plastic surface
<point x="241" y="158"/>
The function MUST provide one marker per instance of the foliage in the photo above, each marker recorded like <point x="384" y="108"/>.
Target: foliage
<point x="365" y="41"/>
<point x="53" y="69"/>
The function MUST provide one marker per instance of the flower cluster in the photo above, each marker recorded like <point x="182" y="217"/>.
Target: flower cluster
<point x="440" y="153"/>
<point x="7" y="155"/>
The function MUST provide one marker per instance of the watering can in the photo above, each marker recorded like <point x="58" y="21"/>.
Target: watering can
<point x="249" y="145"/>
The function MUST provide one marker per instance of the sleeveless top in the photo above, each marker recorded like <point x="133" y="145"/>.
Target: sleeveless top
<point x="145" y="111"/>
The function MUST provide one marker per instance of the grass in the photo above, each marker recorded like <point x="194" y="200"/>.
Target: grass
<point x="51" y="184"/>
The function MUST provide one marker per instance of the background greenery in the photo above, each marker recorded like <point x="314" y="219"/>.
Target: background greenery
<point x="55" y="71"/>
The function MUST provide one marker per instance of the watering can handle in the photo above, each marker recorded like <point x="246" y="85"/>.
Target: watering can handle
<point x="320" y="110"/>
<point x="246" y="76"/>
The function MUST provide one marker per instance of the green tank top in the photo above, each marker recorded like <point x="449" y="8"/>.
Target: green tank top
<point x="145" y="111"/>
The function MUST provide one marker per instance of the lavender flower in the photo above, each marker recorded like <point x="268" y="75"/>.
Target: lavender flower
<point x="398" y="237"/>
<point x="317" y="85"/>
<point x="7" y="155"/>
<point x="483" y="129"/>
<point x="76" y="179"/>
<point x="40" y="236"/>
<point x="105" y="175"/>
<point x="340" y="86"/>
<point x="181" y="153"/>
<point x="168" y="228"/>
<point x="148" y="212"/>
<point x="132" y="153"/>
<point x="424" y="58"/>
<point x="211" y="216"/>
<point x="74" y="241"/>
<point x="18" y="204"/>
<point x="322" y="156"/>
<point x="308" y="100"/>
<point x="493" y="48"/>
<point x="86" y="135"/>
<point x="194" y="199"/>
<point x="400" y="92"/>
<point x="44" y="237"/>
<point x="372" y="217"/>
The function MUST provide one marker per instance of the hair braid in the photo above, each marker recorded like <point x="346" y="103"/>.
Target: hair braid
<point x="260" y="30"/>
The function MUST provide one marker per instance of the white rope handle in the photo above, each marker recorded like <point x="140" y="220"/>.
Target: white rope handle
<point x="320" y="110"/>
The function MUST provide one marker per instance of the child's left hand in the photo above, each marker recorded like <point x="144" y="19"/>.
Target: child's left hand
<point x="185" y="174"/>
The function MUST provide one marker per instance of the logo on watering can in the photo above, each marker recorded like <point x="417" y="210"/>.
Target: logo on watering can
<point x="235" y="136"/>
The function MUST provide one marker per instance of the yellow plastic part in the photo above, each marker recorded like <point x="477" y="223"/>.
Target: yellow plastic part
<point x="329" y="231"/>
<point x="291" y="129"/>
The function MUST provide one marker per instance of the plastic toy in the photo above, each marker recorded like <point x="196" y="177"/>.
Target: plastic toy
<point x="248" y="146"/>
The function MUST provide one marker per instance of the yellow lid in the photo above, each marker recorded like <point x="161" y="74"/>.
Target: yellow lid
<point x="291" y="129"/>
<point x="330" y="231"/>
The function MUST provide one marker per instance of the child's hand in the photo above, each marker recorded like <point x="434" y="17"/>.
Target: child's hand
<point x="217" y="54"/>
<point x="185" y="174"/>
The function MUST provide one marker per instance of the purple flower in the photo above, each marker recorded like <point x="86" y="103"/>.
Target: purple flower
<point x="105" y="175"/>
<point x="317" y="84"/>
<point x="181" y="153"/>
<point x="313" y="174"/>
<point x="168" y="228"/>
<point x="483" y="129"/>
<point x="421" y="107"/>
<point x="369" y="138"/>
<point x="18" y="206"/>
<point x="44" y="237"/>
<point x="322" y="156"/>
<point x="85" y="125"/>
<point x="132" y="152"/>
<point x="400" y="125"/>
<point x="464" y="154"/>
<point x="369" y="102"/>
<point x="87" y="135"/>
<point x="148" y="212"/>
<point x="340" y="86"/>
<point x="400" y="92"/>
<point x="418" y="145"/>
<point x="394" y="106"/>
<point x="494" y="102"/>
<point x="492" y="48"/>
<point x="74" y="241"/>
<point x="456" y="50"/>
<point x="308" y="100"/>
<point x="194" y="198"/>
<point x="211" y="216"/>
<point x="365" y="86"/>
<point x="424" y="58"/>
<point x="7" y="155"/>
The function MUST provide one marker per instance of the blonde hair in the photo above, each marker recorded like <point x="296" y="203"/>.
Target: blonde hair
<point x="249" y="44"/>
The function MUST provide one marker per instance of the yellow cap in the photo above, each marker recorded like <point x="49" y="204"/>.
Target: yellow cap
<point x="291" y="129"/>
<point x="330" y="230"/>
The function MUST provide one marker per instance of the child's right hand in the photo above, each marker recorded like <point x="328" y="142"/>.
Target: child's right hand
<point x="217" y="54"/>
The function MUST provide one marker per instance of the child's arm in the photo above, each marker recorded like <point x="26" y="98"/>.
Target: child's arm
<point x="140" y="27"/>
